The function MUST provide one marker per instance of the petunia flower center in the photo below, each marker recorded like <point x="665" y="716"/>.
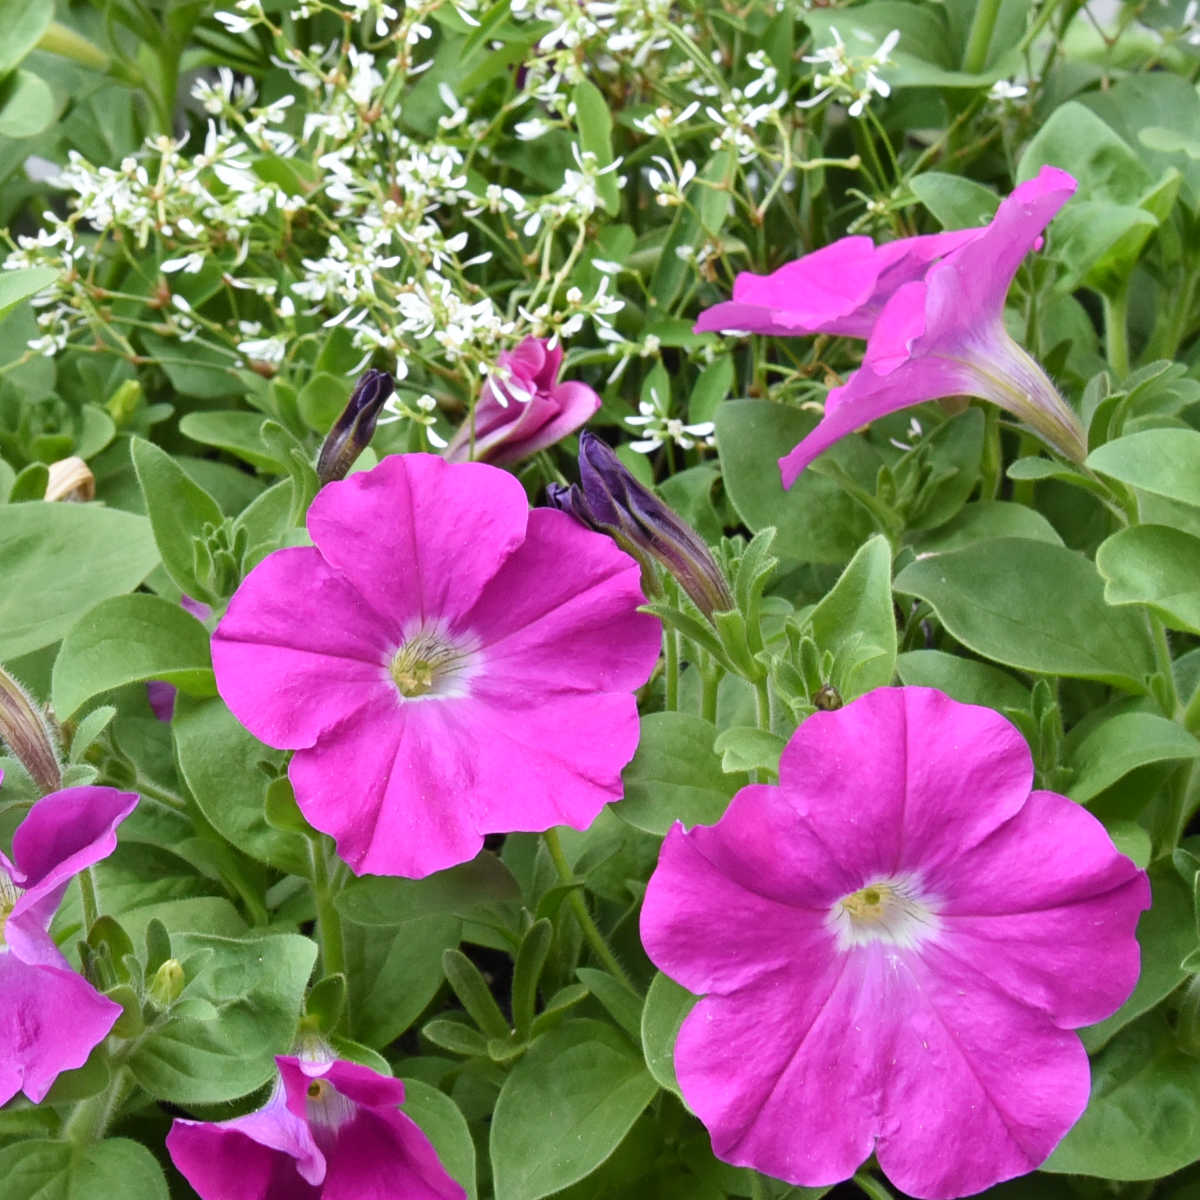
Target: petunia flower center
<point x="894" y="910"/>
<point x="9" y="894"/>
<point x="326" y="1111"/>
<point x="430" y="664"/>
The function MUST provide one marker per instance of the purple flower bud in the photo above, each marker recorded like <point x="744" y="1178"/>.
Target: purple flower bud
<point x="353" y="430"/>
<point x="610" y="500"/>
<point x="27" y="733"/>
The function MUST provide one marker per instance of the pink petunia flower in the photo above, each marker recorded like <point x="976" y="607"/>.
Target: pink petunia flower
<point x="445" y="662"/>
<point x="523" y="407"/>
<point x="838" y="289"/>
<point x="330" y="1131"/>
<point x="944" y="335"/>
<point x="894" y="944"/>
<point x="51" y="1018"/>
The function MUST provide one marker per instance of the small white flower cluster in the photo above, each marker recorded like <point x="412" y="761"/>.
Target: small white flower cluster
<point x="657" y="426"/>
<point x="850" y="77"/>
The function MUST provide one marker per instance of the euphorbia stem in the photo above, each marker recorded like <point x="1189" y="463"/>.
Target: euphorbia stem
<point x="591" y="931"/>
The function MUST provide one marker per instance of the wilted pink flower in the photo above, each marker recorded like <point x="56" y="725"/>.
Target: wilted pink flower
<point x="838" y="289"/>
<point x="445" y="662"/>
<point x="944" y="335"/>
<point x="330" y="1131"/>
<point x="894" y="944"/>
<point x="51" y="1018"/>
<point x="523" y="408"/>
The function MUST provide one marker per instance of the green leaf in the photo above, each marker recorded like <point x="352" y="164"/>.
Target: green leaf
<point x="1165" y="933"/>
<point x="1165" y="462"/>
<point x="16" y="286"/>
<point x="956" y="202"/>
<point x="220" y="763"/>
<point x="442" y="1122"/>
<point x="1121" y="744"/>
<point x="676" y="775"/>
<point x="816" y="521"/>
<point x="194" y="370"/>
<point x="376" y="900"/>
<point x="46" y="1170"/>
<point x="23" y="22"/>
<point x="622" y="1005"/>
<point x="1033" y="606"/>
<point x="667" y="1005"/>
<point x="857" y="617"/>
<point x="748" y="748"/>
<point x="595" y="137"/>
<point x="237" y="432"/>
<point x="178" y="508"/>
<point x="394" y="973"/>
<point x="987" y="519"/>
<point x="1143" y="1119"/>
<point x="130" y="639"/>
<point x="27" y="105"/>
<point x="57" y="560"/>
<point x="565" y="1108"/>
<point x="256" y="986"/>
<point x="963" y="679"/>
<point x="1154" y="565"/>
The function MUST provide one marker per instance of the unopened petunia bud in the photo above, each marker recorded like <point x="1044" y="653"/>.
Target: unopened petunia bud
<point x="609" y="499"/>
<point x="26" y="732"/>
<point x="167" y="984"/>
<point x="353" y="430"/>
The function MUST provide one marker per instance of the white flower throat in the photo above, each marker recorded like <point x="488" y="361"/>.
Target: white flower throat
<point x="894" y="909"/>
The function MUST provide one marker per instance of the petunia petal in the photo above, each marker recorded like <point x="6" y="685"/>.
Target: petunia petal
<point x="417" y="537"/>
<point x="982" y="1086"/>
<point x="299" y="649"/>
<point x="722" y="911"/>
<point x="1047" y="908"/>
<point x="903" y="780"/>
<point x="543" y="627"/>
<point x="50" y="1021"/>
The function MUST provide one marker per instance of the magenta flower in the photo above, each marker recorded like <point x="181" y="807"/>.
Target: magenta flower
<point x="445" y="662"/>
<point x="330" y="1131"/>
<point x="838" y="289"/>
<point x="944" y="335"/>
<point x="51" y="1018"/>
<point x="523" y="408"/>
<point x="894" y="945"/>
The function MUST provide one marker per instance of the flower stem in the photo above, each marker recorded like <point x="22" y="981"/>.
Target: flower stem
<point x="87" y="892"/>
<point x="329" y="921"/>
<point x="983" y="24"/>
<point x="91" y="1118"/>
<point x="1116" y="330"/>
<point x="591" y="931"/>
<point x="671" y="668"/>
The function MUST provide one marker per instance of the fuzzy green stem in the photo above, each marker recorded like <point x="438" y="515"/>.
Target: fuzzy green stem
<point x="1116" y="330"/>
<point x="591" y="931"/>
<point x="710" y="680"/>
<point x="671" y="668"/>
<point x="87" y="893"/>
<point x="329" y="922"/>
<point x="91" y="1118"/>
<point x="983" y="25"/>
